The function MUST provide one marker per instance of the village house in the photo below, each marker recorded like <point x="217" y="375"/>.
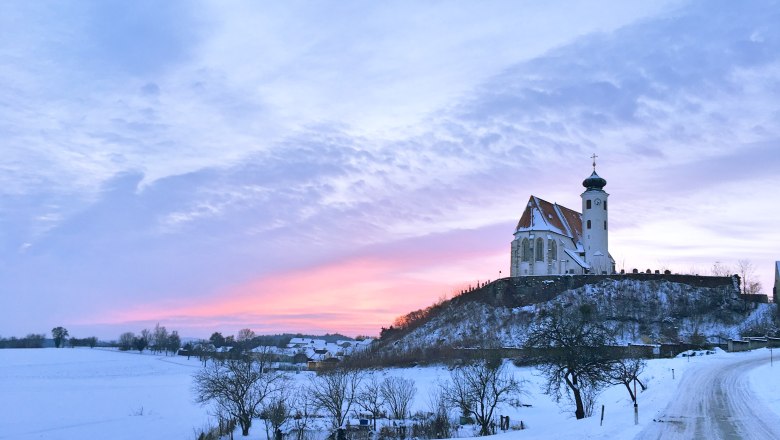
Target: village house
<point x="318" y="351"/>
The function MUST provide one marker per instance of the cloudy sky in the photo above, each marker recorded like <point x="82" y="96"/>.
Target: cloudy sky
<point x="328" y="166"/>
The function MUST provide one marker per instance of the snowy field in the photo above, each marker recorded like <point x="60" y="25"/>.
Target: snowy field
<point x="91" y="393"/>
<point x="83" y="393"/>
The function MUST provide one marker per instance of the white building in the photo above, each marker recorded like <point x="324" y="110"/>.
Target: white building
<point x="551" y="239"/>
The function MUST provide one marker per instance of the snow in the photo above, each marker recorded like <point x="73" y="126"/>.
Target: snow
<point x="84" y="393"/>
<point x="539" y="222"/>
<point x="92" y="393"/>
<point x="764" y="382"/>
<point x="715" y="399"/>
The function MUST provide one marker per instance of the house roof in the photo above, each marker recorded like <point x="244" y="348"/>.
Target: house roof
<point x="541" y="215"/>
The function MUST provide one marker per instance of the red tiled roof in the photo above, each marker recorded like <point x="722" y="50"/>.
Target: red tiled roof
<point x="561" y="218"/>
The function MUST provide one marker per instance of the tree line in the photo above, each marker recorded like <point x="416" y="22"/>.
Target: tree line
<point x="158" y="340"/>
<point x="32" y="340"/>
<point x="38" y="340"/>
<point x="242" y="389"/>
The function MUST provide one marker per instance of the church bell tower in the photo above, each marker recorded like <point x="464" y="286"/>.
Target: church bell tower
<point x="595" y="227"/>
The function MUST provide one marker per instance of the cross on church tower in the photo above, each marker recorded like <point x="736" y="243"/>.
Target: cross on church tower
<point x="594" y="161"/>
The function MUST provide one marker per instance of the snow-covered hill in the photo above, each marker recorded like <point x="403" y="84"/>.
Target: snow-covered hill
<point x="640" y="309"/>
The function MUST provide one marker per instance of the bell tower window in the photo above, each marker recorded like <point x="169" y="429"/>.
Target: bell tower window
<point x="587" y="204"/>
<point x="588" y="224"/>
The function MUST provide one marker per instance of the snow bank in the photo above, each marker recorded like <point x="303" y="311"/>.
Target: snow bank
<point x="765" y="380"/>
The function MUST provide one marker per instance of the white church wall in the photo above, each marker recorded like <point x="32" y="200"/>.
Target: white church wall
<point x="553" y="261"/>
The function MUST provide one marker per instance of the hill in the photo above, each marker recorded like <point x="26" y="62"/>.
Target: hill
<point x="640" y="308"/>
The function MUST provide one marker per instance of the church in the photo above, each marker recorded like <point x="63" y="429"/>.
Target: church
<point x="551" y="239"/>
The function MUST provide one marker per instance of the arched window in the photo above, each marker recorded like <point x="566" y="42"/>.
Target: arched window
<point x="605" y="205"/>
<point x="539" y="249"/>
<point x="526" y="250"/>
<point x="552" y="250"/>
<point x="588" y="224"/>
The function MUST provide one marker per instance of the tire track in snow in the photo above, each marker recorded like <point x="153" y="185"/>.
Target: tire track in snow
<point x="714" y="401"/>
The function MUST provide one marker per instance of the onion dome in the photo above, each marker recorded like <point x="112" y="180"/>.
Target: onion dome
<point x="594" y="182"/>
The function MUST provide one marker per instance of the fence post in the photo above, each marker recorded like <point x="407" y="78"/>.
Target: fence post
<point x="602" y="416"/>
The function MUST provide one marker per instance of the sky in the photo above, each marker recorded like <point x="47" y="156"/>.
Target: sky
<point x="325" y="166"/>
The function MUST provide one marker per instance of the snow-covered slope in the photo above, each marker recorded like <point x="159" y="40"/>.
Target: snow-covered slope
<point x="639" y="310"/>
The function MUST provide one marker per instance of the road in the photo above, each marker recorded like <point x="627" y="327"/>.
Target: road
<point x="714" y="401"/>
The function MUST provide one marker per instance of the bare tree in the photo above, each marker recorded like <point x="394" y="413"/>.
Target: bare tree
<point x="243" y="340"/>
<point x="142" y="341"/>
<point x="479" y="388"/>
<point x="238" y="387"/>
<point x="370" y="398"/>
<point x="721" y="270"/>
<point x="126" y="341"/>
<point x="572" y="355"/>
<point x="335" y="391"/>
<point x="244" y="335"/>
<point x="747" y="273"/>
<point x="437" y="405"/>
<point x="590" y="394"/>
<point x="304" y="411"/>
<point x="59" y="334"/>
<point x="159" y="339"/>
<point x="174" y="342"/>
<point x="398" y="394"/>
<point x="276" y="410"/>
<point x="625" y="371"/>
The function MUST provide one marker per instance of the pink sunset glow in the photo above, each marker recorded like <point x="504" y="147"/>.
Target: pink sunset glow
<point x="354" y="296"/>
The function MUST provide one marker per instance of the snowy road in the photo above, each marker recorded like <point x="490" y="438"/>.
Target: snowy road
<point x="714" y="401"/>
